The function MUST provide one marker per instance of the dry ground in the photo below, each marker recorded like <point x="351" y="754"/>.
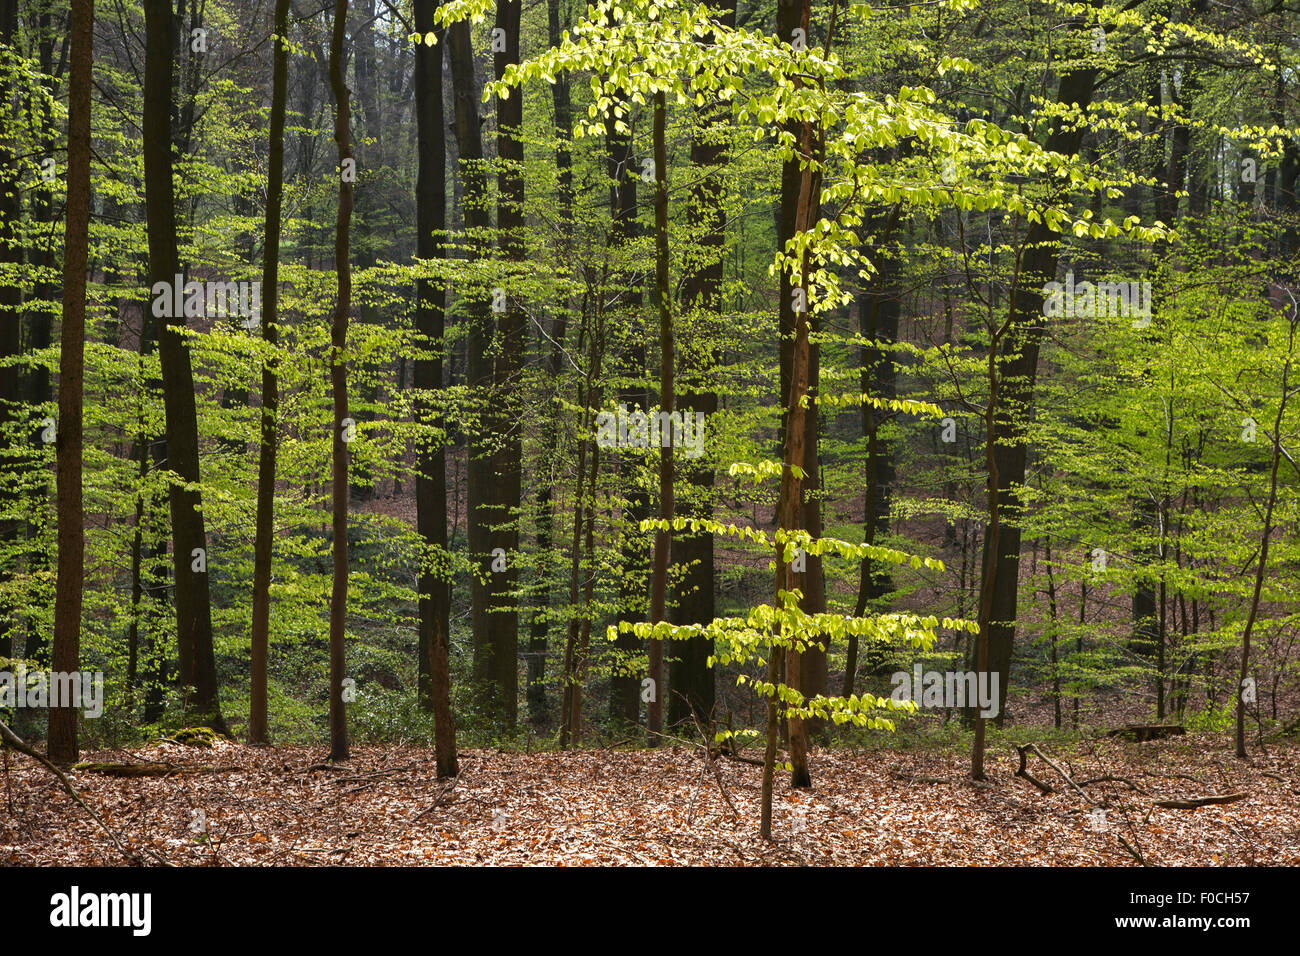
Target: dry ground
<point x="280" y="806"/>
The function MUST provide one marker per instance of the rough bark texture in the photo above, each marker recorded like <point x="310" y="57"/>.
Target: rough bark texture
<point x="189" y="538"/>
<point x="258" y="731"/>
<point x="430" y="320"/>
<point x="667" y="360"/>
<point x="62" y="736"/>
<point x="689" y="675"/>
<point x="508" y="410"/>
<point x="339" y="385"/>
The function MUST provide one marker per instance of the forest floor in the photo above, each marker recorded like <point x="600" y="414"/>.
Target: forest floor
<point x="239" y="805"/>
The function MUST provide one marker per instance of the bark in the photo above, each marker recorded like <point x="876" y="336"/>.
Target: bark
<point x="11" y="295"/>
<point x="189" y="537"/>
<point x="507" y="406"/>
<point x="1261" y="568"/>
<point x="689" y="674"/>
<point x="625" y="689"/>
<point x="539" y="627"/>
<point x="878" y="312"/>
<point x="430" y="325"/>
<point x="339" y="384"/>
<point x="258" y="730"/>
<point x="479" y="370"/>
<point x="663" y="536"/>
<point x="62" y="735"/>
<point x="789" y="501"/>
<point x="1017" y="369"/>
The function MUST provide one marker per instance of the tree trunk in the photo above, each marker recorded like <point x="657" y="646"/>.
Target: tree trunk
<point x="479" y="371"/>
<point x="189" y="538"/>
<point x="539" y="628"/>
<point x="11" y="297"/>
<point x="507" y="406"/>
<point x="258" y="729"/>
<point x="689" y="674"/>
<point x="62" y="735"/>
<point x="339" y="383"/>
<point x="1017" y="371"/>
<point x="431" y="479"/>
<point x="663" y="536"/>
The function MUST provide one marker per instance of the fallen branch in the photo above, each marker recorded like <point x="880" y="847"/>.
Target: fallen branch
<point x="149" y="768"/>
<point x="1022" y="771"/>
<point x="1111" y="778"/>
<point x="439" y="800"/>
<point x="10" y="739"/>
<point x="1144" y="732"/>
<point x="1136" y="855"/>
<point x="1033" y="748"/>
<point x="1191" y="803"/>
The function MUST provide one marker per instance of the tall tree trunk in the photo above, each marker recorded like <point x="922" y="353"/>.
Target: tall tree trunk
<point x="1261" y="568"/>
<point x="430" y="325"/>
<point x="41" y="256"/>
<point x="62" y="734"/>
<point x="479" y="371"/>
<point x="539" y="629"/>
<point x="689" y="674"/>
<point x="663" y="536"/>
<point x="789" y="510"/>
<point x="189" y="538"/>
<point x="625" y="689"/>
<point x="1017" y="371"/>
<point x="508" y="406"/>
<point x="258" y="729"/>
<point x="878" y="312"/>
<point x="339" y="384"/>
<point x="11" y="297"/>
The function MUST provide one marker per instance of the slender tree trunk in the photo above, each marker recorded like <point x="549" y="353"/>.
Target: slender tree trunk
<point x="1018" y="371"/>
<point x="625" y="690"/>
<point x="663" y="536"/>
<point x="539" y="627"/>
<point x="1262" y="568"/>
<point x="430" y="321"/>
<point x="339" y="384"/>
<point x="790" y="496"/>
<point x="62" y="734"/>
<point x="189" y="538"/>
<point x="11" y="297"/>
<point x="689" y="674"/>
<point x="479" y="371"/>
<point x="258" y="729"/>
<point x="507" y="406"/>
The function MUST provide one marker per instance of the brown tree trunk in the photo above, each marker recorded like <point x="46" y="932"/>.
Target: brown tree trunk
<point x="189" y="538"/>
<point x="430" y="324"/>
<point x="11" y="297"/>
<point x="258" y="729"/>
<point x="663" y="536"/>
<point x="479" y="371"/>
<point x="508" y="408"/>
<point x="339" y="384"/>
<point x="689" y="674"/>
<point x="790" y="496"/>
<point x="1017" y="371"/>
<point x="625" y="689"/>
<point x="539" y="627"/>
<point x="62" y="734"/>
